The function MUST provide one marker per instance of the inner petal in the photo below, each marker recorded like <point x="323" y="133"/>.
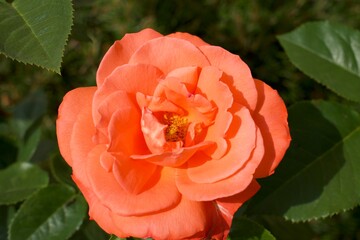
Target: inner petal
<point x="174" y="158"/>
<point x="210" y="84"/>
<point x="173" y="117"/>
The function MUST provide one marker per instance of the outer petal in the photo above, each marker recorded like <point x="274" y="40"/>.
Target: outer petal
<point x="191" y="38"/>
<point x="121" y="51"/>
<point x="237" y="74"/>
<point x="234" y="184"/>
<point x="188" y="220"/>
<point x="228" y="206"/>
<point x="160" y="189"/>
<point x="168" y="54"/>
<point x="81" y="144"/>
<point x="97" y="211"/>
<point x="271" y="117"/>
<point x="75" y="101"/>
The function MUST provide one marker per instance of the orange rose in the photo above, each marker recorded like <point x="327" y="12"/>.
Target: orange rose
<point x="169" y="143"/>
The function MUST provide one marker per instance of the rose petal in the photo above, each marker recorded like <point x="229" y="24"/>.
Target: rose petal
<point x="175" y="158"/>
<point x="168" y="53"/>
<point x="156" y="104"/>
<point x="97" y="211"/>
<point x="188" y="76"/>
<point x="74" y="102"/>
<point x="196" y="107"/>
<point x="130" y="79"/>
<point x="242" y="144"/>
<point x="121" y="51"/>
<point x="112" y="103"/>
<point x="237" y="74"/>
<point x="160" y="186"/>
<point x="210" y="85"/>
<point x="229" y="205"/>
<point x="125" y="132"/>
<point x="133" y="176"/>
<point x="191" y="38"/>
<point x="188" y="220"/>
<point x="153" y="132"/>
<point x="107" y="161"/>
<point x="81" y="146"/>
<point x="271" y="117"/>
<point x="234" y="184"/>
<point x="81" y="143"/>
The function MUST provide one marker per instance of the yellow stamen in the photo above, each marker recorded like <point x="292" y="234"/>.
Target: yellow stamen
<point x="177" y="127"/>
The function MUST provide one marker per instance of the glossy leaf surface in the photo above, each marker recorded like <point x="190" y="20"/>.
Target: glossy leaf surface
<point x="329" y="53"/>
<point x="35" y="35"/>
<point x="319" y="175"/>
<point x="53" y="213"/>
<point x="19" y="181"/>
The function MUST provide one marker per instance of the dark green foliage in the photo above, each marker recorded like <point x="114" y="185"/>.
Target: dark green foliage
<point x="319" y="174"/>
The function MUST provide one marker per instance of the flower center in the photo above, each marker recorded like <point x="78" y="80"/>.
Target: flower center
<point x="177" y="127"/>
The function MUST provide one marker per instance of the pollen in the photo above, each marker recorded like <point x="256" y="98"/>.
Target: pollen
<point x="177" y="127"/>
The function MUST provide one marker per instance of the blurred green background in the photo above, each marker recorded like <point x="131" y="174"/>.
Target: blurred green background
<point x="244" y="27"/>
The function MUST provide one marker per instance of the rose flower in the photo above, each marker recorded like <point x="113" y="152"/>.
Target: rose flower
<point x="170" y="142"/>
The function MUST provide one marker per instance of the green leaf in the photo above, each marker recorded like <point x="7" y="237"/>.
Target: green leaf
<point x="3" y="222"/>
<point x="6" y="214"/>
<point x="35" y="31"/>
<point x="8" y="151"/>
<point x="45" y="150"/>
<point x="53" y="213"/>
<point x="29" y="146"/>
<point x="28" y="113"/>
<point x="319" y="175"/>
<point x="19" y="181"/>
<point x="329" y="53"/>
<point x="26" y="123"/>
<point x="90" y="231"/>
<point x="61" y="170"/>
<point x="284" y="230"/>
<point x="246" y="229"/>
<point x="113" y="237"/>
<point x="32" y="107"/>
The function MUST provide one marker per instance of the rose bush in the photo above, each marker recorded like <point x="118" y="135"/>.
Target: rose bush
<point x="170" y="142"/>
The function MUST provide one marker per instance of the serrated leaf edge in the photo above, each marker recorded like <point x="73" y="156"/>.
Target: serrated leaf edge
<point x="281" y="38"/>
<point x="329" y="213"/>
<point x="62" y="52"/>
